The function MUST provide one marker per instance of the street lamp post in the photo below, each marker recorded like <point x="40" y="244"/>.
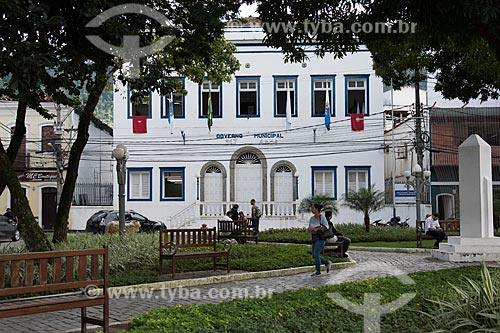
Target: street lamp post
<point x="418" y="185"/>
<point x="120" y="153"/>
<point x="297" y="175"/>
<point x="198" y="186"/>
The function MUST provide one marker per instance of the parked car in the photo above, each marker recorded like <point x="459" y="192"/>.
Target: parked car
<point x="97" y="222"/>
<point x="8" y="229"/>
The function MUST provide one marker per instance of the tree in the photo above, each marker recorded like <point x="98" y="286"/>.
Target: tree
<point x="461" y="39"/>
<point x="45" y="53"/>
<point x="366" y="200"/>
<point x="325" y="201"/>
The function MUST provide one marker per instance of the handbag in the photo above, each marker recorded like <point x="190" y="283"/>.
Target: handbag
<point x="328" y="233"/>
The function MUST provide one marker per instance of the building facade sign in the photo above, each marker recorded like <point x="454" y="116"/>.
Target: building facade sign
<point x="38" y="177"/>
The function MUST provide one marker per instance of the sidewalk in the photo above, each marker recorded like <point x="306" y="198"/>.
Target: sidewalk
<point x="369" y="264"/>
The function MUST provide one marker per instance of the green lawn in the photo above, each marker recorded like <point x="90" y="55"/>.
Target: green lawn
<point x="312" y="310"/>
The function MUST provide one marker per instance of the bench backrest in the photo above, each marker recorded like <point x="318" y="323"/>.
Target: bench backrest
<point x="226" y="226"/>
<point x="447" y="225"/>
<point x="185" y="238"/>
<point x="37" y="272"/>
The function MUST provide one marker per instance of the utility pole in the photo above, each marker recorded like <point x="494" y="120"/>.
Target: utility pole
<point x="393" y="158"/>
<point x="418" y="148"/>
<point x="58" y="133"/>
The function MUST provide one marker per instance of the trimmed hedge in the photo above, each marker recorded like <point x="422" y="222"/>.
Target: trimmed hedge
<point x="356" y="232"/>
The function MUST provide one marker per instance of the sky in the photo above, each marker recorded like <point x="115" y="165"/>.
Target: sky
<point x="248" y="10"/>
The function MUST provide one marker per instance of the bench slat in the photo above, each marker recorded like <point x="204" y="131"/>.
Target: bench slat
<point x="82" y="268"/>
<point x="28" y="278"/>
<point x="43" y="271"/>
<point x="94" y="266"/>
<point x="58" y="305"/>
<point x="14" y="273"/>
<point x="50" y="287"/>
<point x="2" y="274"/>
<point x="57" y="270"/>
<point x="70" y="274"/>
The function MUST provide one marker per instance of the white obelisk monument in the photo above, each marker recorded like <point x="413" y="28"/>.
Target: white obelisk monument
<point x="476" y="241"/>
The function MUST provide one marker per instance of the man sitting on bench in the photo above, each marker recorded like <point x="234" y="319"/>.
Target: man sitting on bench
<point x="340" y="237"/>
<point x="433" y="228"/>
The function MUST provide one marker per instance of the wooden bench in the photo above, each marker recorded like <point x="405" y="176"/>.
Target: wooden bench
<point x="241" y="230"/>
<point x="450" y="227"/>
<point x="55" y="276"/>
<point x="173" y="239"/>
<point x="331" y="248"/>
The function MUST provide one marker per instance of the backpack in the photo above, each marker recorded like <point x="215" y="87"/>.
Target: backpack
<point x="328" y="233"/>
<point x="258" y="213"/>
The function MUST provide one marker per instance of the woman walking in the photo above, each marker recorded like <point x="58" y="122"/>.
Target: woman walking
<point x="318" y="223"/>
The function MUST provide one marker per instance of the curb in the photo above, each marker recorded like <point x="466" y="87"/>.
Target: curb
<point x="226" y="278"/>
<point x="388" y="249"/>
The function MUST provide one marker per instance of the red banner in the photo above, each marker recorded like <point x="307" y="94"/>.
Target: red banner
<point x="357" y="121"/>
<point x="139" y="124"/>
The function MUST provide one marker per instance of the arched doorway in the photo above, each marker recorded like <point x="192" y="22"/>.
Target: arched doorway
<point x="282" y="182"/>
<point x="445" y="205"/>
<point x="214" y="184"/>
<point x="248" y="178"/>
<point x="248" y="175"/>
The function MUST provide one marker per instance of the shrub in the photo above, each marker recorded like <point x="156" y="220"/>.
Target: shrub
<point x="473" y="307"/>
<point x="356" y="232"/>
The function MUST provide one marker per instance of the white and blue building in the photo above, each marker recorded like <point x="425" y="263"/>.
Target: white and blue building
<point x="181" y="172"/>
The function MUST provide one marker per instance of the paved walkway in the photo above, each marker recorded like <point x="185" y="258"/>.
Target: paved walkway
<point x="370" y="264"/>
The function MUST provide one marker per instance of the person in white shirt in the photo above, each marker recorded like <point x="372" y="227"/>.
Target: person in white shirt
<point x="228" y="216"/>
<point x="433" y="228"/>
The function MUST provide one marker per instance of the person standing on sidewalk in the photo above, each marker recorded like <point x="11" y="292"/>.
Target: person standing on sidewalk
<point x="256" y="214"/>
<point x="318" y="223"/>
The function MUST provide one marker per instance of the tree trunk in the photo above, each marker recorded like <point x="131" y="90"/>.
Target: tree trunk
<point x="367" y="222"/>
<point x="32" y="234"/>
<point x="17" y="137"/>
<point x="61" y="225"/>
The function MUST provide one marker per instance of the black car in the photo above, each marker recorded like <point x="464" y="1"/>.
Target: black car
<point x="8" y="229"/>
<point x="97" y="222"/>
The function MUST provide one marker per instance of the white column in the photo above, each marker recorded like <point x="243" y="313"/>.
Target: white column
<point x="476" y="201"/>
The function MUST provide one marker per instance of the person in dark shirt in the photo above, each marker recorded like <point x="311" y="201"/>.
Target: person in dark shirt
<point x="10" y="214"/>
<point x="340" y="238"/>
<point x="234" y="212"/>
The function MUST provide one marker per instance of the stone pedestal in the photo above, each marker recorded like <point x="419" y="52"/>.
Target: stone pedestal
<point x="476" y="242"/>
<point x="469" y="249"/>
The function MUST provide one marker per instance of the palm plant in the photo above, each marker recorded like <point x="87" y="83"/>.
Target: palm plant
<point x="473" y="307"/>
<point x="325" y="201"/>
<point x="366" y="200"/>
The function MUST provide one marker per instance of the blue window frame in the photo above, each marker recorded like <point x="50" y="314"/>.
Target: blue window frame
<point x="179" y="103"/>
<point x="203" y="91"/>
<point x="282" y="86"/>
<point x="324" y="181"/>
<point x="321" y="85"/>
<point x="247" y="96"/>
<point x="357" y="94"/>
<point x="357" y="177"/>
<point x="142" y="109"/>
<point x="139" y="184"/>
<point x="172" y="184"/>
